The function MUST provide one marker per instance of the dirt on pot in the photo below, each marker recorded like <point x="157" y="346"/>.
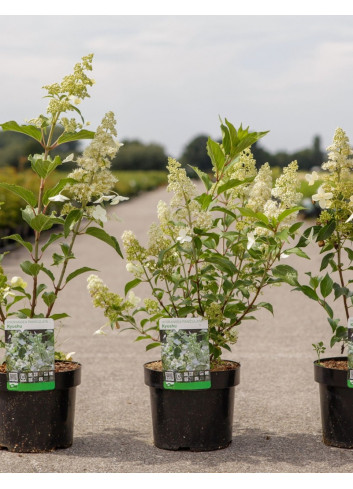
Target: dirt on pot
<point x="335" y="364"/>
<point x="60" y="366"/>
<point x="224" y="365"/>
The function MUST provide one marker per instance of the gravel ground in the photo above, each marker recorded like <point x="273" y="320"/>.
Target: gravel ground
<point x="277" y="424"/>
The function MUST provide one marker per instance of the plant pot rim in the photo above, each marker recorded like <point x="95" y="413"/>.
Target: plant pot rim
<point x="220" y="379"/>
<point x="63" y="380"/>
<point x="329" y="375"/>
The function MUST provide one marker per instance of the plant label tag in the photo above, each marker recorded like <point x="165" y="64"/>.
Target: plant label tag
<point x="30" y="354"/>
<point x="185" y="353"/>
<point x="350" y="353"/>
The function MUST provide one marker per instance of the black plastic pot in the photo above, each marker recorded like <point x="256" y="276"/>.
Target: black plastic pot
<point x="336" y="401"/>
<point x="197" y="420"/>
<point x="39" y="421"/>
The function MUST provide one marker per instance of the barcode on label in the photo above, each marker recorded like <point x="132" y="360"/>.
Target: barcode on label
<point x="169" y="376"/>
<point x="13" y="377"/>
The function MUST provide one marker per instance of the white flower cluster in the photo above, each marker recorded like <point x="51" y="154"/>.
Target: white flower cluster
<point x="260" y="192"/>
<point x="339" y="153"/>
<point x="94" y="179"/>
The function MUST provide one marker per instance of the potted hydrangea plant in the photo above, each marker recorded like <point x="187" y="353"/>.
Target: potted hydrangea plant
<point x="37" y="398"/>
<point x="207" y="262"/>
<point x="333" y="233"/>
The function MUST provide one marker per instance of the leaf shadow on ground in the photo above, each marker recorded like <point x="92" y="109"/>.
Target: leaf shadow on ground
<point x="252" y="450"/>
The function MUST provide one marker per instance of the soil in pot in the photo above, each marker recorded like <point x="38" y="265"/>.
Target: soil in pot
<point x="39" y="421"/>
<point x="336" y="401"/>
<point x="196" y="420"/>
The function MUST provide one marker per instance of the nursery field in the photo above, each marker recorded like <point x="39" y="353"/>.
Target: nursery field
<point x="129" y="183"/>
<point x="276" y="425"/>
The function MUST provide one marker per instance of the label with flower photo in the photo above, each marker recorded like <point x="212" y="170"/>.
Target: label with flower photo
<point x="185" y="353"/>
<point x="350" y="353"/>
<point x="30" y="354"/>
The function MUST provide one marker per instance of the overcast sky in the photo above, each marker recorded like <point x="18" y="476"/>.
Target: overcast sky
<point x="168" y="78"/>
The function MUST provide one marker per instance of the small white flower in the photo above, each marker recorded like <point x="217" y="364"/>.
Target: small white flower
<point x="323" y="198"/>
<point x="69" y="355"/>
<point x="133" y="299"/>
<point x="104" y="198"/>
<point x="251" y="240"/>
<point x="350" y="218"/>
<point x="18" y="282"/>
<point x="58" y="198"/>
<point x="183" y="236"/>
<point x="284" y="255"/>
<point x="135" y="269"/>
<point x="69" y="158"/>
<point x="117" y="199"/>
<point x="99" y="214"/>
<point x="100" y="331"/>
<point x="311" y="177"/>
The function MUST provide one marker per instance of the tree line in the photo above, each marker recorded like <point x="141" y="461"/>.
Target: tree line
<point x="136" y="155"/>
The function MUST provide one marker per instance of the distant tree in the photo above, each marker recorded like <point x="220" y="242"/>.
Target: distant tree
<point x="135" y="155"/>
<point x="195" y="154"/>
<point x="307" y="158"/>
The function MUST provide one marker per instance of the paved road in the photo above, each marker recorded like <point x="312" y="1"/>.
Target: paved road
<point x="276" y="419"/>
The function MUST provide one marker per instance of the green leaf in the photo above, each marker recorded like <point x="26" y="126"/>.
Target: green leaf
<point x="267" y="306"/>
<point x="28" y="214"/>
<point x="59" y="316"/>
<point x="79" y="271"/>
<point x="216" y="154"/>
<point x="204" y="200"/>
<point x="30" y="268"/>
<point x="73" y="216"/>
<point x="286" y="274"/>
<point x="222" y="263"/>
<point x="339" y="291"/>
<point x="203" y="176"/>
<point x="308" y="291"/>
<point x="29" y="130"/>
<point x="333" y="323"/>
<point x="326" y="260"/>
<point x="75" y="136"/>
<point x="103" y="236"/>
<point x="328" y="309"/>
<point x="295" y="227"/>
<point x="288" y="212"/>
<point x="58" y="259"/>
<point x="41" y="222"/>
<point x="24" y="193"/>
<point x="232" y="183"/>
<point x="40" y="288"/>
<point x="53" y="237"/>
<point x="349" y="253"/>
<point x="326" y="285"/>
<point x="297" y="251"/>
<point x="18" y="238"/>
<point x="152" y="345"/>
<point x="49" y="273"/>
<point x="49" y="298"/>
<point x="130" y="285"/>
<point x="326" y="231"/>
<point x="44" y="167"/>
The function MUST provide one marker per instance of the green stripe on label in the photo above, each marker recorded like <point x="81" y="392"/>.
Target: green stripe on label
<point x="185" y="386"/>
<point x="40" y="386"/>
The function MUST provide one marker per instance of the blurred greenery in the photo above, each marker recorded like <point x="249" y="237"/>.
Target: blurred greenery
<point x="195" y="154"/>
<point x="135" y="155"/>
<point x="129" y="184"/>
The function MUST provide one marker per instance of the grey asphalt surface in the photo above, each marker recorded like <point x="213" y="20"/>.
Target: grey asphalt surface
<point x="277" y="425"/>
